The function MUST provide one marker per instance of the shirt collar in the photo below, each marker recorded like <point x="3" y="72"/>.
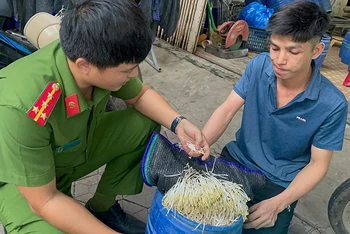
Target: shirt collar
<point x="312" y="90"/>
<point x="67" y="82"/>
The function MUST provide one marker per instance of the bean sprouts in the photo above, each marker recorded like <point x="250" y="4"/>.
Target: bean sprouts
<point x="206" y="198"/>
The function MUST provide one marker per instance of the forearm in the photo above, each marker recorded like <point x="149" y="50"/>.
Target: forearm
<point x="69" y="216"/>
<point x="152" y="105"/>
<point x="303" y="183"/>
<point x="221" y="117"/>
<point x="216" y="125"/>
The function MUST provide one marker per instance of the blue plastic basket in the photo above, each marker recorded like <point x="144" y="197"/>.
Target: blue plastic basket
<point x="258" y="40"/>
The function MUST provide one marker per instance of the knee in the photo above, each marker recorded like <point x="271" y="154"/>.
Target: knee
<point x="151" y="127"/>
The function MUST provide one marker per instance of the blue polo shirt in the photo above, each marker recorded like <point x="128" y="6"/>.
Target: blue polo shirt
<point x="277" y="141"/>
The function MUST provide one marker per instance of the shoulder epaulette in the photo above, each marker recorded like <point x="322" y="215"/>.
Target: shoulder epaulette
<point x="45" y="103"/>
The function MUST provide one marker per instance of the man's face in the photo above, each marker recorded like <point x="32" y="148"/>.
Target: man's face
<point x="289" y="58"/>
<point x="113" y="78"/>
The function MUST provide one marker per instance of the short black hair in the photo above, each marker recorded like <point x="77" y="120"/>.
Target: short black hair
<point x="302" y="20"/>
<point x="106" y="33"/>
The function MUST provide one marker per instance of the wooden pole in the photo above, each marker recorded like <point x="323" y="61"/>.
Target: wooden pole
<point x="197" y="22"/>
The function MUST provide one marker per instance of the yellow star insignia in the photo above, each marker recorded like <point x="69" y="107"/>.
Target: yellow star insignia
<point x="49" y="96"/>
<point x="35" y="109"/>
<point x="45" y="104"/>
<point x="43" y="116"/>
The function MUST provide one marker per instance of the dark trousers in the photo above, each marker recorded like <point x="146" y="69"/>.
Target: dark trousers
<point x="268" y="191"/>
<point x="283" y="219"/>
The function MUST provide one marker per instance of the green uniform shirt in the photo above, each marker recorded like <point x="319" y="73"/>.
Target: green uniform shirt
<point x="31" y="154"/>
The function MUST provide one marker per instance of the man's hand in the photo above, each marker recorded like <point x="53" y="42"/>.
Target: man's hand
<point x="263" y="214"/>
<point x="187" y="132"/>
<point x="152" y="105"/>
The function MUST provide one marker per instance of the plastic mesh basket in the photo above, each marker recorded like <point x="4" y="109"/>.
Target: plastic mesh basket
<point x="258" y="40"/>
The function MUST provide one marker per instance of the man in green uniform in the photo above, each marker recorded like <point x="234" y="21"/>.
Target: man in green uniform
<point x="53" y="128"/>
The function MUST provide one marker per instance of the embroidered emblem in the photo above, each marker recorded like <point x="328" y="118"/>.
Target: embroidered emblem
<point x="301" y="119"/>
<point x="49" y="96"/>
<point x="43" y="116"/>
<point x="72" y="105"/>
<point x="35" y="109"/>
<point x="44" y="105"/>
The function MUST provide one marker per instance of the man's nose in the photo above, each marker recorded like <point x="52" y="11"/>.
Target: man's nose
<point x="281" y="57"/>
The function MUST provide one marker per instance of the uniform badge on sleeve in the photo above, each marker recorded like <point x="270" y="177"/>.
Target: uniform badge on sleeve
<point x="44" y="105"/>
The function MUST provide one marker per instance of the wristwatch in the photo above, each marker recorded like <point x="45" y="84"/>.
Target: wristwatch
<point x="175" y="122"/>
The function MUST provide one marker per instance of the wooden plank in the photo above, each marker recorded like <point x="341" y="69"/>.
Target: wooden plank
<point x="185" y="22"/>
<point x="188" y="27"/>
<point x="338" y="7"/>
<point x="191" y="17"/>
<point x="197" y="23"/>
<point x="236" y="65"/>
<point x="185" y="28"/>
<point x="347" y="12"/>
<point x="180" y="27"/>
<point x="180" y="22"/>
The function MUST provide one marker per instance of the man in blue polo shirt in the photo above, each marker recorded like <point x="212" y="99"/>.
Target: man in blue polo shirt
<point x="293" y="118"/>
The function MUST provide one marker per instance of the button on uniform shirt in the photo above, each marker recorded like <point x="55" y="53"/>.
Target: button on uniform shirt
<point x="277" y="141"/>
<point x="45" y="123"/>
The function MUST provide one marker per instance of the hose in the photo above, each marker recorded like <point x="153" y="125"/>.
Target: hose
<point x="211" y="18"/>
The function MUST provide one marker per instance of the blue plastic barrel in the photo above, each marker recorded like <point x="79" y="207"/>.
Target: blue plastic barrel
<point x="344" y="52"/>
<point x="326" y="40"/>
<point x="161" y="223"/>
<point x="276" y="4"/>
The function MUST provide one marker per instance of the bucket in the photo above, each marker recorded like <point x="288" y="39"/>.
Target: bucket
<point x="344" y="52"/>
<point x="159" y="222"/>
<point x="326" y="40"/>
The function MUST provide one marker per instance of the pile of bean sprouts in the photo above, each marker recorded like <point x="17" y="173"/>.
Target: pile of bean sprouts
<point x="206" y="198"/>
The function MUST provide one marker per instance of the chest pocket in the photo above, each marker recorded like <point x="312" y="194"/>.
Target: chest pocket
<point x="70" y="155"/>
<point x="68" y="146"/>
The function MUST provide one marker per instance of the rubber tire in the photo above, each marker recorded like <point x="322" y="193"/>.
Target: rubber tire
<point x="336" y="205"/>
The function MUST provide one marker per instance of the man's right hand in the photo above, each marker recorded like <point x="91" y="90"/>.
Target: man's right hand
<point x="61" y="210"/>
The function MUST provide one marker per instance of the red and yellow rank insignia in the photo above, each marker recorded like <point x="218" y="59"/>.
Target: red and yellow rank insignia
<point x="72" y="105"/>
<point x="44" y="105"/>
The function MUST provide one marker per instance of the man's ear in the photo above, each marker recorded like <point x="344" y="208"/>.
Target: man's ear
<point x="319" y="47"/>
<point x="83" y="66"/>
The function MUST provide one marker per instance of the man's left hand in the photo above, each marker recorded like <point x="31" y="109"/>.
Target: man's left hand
<point x="263" y="214"/>
<point x="188" y="132"/>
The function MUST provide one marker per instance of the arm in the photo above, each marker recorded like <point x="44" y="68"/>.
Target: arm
<point x="62" y="211"/>
<point x="152" y="105"/>
<point x="264" y="214"/>
<point x="221" y="117"/>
